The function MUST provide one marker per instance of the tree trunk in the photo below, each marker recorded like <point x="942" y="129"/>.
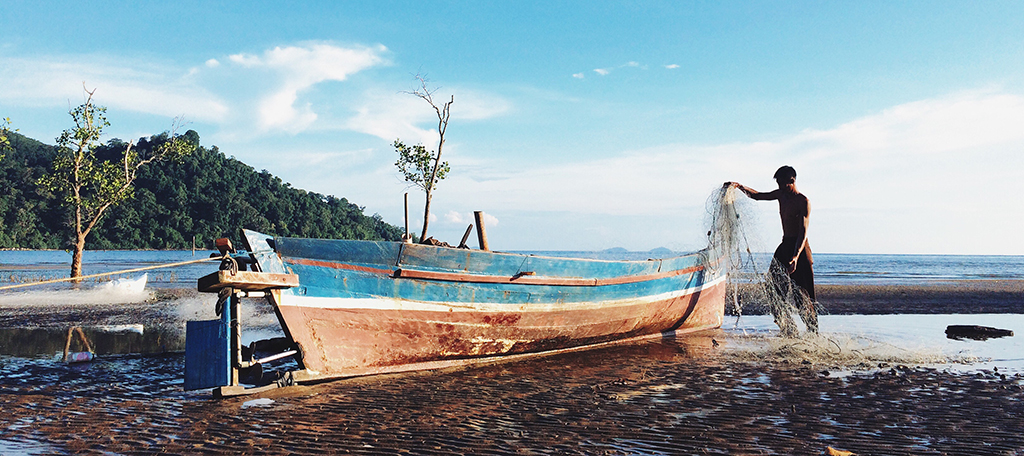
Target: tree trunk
<point x="426" y="217"/>
<point x="76" y="256"/>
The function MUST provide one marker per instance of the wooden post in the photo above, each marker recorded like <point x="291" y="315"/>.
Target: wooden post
<point x="481" y="233"/>
<point x="193" y="245"/>
<point x="406" y="238"/>
<point x="465" y="237"/>
<point x="235" y="333"/>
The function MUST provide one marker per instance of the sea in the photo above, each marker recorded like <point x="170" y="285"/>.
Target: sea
<point x="829" y="268"/>
<point x="873" y="384"/>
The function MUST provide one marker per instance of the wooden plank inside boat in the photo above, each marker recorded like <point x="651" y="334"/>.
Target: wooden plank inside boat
<point x="246" y="281"/>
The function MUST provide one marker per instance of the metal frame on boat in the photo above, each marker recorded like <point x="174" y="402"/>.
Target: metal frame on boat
<point x="352" y="308"/>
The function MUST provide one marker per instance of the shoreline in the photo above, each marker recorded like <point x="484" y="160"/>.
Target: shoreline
<point x="926" y="298"/>
<point x="946" y="297"/>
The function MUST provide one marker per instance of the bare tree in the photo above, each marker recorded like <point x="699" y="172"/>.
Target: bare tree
<point x="425" y="169"/>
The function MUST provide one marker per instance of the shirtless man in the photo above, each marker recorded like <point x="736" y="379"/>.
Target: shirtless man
<point x="794" y="253"/>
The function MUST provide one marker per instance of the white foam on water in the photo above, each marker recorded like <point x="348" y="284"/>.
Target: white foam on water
<point x="133" y="328"/>
<point x="120" y="291"/>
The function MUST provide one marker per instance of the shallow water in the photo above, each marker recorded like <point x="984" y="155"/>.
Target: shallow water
<point x="851" y="340"/>
<point x="737" y="390"/>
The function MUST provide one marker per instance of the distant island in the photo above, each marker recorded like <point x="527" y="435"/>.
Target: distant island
<point x="657" y="251"/>
<point x="615" y="250"/>
<point x="207" y="195"/>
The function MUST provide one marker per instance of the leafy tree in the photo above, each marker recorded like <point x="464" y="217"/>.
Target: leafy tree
<point x="90" y="186"/>
<point x="5" y="132"/>
<point x="422" y="168"/>
<point x="205" y="195"/>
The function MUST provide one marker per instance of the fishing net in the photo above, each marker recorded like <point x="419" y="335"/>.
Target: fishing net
<point x="756" y="280"/>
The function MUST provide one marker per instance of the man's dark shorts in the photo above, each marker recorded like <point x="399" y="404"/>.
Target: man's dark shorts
<point x="804" y="274"/>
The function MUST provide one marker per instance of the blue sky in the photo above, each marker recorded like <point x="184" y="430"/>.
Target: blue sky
<point x="576" y="125"/>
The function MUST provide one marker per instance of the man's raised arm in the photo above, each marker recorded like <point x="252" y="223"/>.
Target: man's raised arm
<point x="754" y="194"/>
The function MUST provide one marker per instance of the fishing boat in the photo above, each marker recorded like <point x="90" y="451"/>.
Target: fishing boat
<point x="353" y="308"/>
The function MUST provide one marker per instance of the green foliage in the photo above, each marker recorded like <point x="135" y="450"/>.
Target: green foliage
<point x="202" y="194"/>
<point x="5" y="132"/>
<point x="90" y="184"/>
<point x="77" y="176"/>
<point x="29" y="217"/>
<point x="417" y="165"/>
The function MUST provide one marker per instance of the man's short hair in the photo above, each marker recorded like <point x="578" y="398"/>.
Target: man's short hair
<point x="785" y="173"/>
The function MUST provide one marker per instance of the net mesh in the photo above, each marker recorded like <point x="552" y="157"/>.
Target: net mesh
<point x="756" y="281"/>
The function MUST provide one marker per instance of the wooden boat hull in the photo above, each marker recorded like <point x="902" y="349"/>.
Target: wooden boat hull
<point x="366" y="307"/>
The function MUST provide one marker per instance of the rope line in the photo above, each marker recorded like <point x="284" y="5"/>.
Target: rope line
<point x="104" y="274"/>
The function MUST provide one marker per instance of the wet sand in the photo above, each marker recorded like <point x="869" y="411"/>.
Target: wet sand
<point x="683" y="396"/>
<point x="691" y="395"/>
<point x="959" y="297"/>
<point x="952" y="297"/>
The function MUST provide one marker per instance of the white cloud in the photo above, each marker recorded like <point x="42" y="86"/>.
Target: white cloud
<point x="454" y="217"/>
<point x="672" y="66"/>
<point x="606" y="71"/>
<point x="121" y="84"/>
<point x="212" y="63"/>
<point x="578" y="75"/>
<point x="458" y="218"/>
<point x="389" y="115"/>
<point x="490" y="220"/>
<point x="954" y="162"/>
<point x="298" y="68"/>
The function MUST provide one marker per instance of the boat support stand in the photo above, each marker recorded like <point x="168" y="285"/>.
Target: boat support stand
<point x="213" y="349"/>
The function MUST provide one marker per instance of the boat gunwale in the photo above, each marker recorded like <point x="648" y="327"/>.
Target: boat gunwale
<point x="403" y="245"/>
<point x="518" y="279"/>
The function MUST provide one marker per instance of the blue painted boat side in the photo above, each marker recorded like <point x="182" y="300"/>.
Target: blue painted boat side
<point x="363" y="269"/>
<point x="329" y="282"/>
<point x="379" y="254"/>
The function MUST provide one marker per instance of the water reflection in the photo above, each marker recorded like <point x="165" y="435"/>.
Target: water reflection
<point x="105" y="340"/>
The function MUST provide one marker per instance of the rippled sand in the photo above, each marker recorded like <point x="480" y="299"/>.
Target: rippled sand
<point x="709" y="394"/>
<point x="674" y="396"/>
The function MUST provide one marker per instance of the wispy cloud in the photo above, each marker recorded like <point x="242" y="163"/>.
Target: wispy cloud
<point x="297" y="68"/>
<point x="391" y="115"/>
<point x="458" y="218"/>
<point x="964" y="147"/>
<point x="120" y="83"/>
<point x="607" y="70"/>
<point x="979" y="129"/>
<point x="672" y="66"/>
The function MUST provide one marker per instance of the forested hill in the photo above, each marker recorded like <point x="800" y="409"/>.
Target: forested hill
<point x="206" y="195"/>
